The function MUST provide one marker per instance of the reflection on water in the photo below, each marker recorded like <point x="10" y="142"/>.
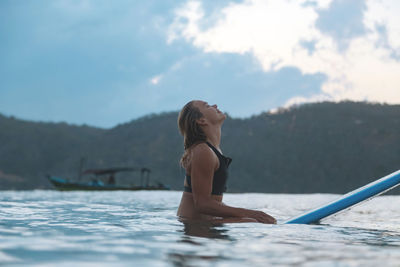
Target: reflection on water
<point x="46" y="228"/>
<point x="190" y="259"/>
<point x="370" y="237"/>
<point x="196" y="234"/>
<point x="206" y="229"/>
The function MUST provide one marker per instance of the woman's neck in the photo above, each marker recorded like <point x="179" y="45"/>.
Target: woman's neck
<point x="213" y="136"/>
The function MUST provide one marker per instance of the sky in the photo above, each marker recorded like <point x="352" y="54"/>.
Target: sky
<point x="103" y="63"/>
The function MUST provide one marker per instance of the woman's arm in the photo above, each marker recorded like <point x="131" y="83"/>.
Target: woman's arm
<point x="203" y="164"/>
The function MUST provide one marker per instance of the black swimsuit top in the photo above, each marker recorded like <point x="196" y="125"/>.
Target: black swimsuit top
<point x="220" y="175"/>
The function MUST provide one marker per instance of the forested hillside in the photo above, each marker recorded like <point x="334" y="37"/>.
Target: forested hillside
<point x="324" y="147"/>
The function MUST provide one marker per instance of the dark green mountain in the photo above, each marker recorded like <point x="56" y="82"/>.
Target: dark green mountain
<point x="324" y="147"/>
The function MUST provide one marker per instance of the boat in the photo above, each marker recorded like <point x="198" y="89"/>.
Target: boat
<point x="105" y="180"/>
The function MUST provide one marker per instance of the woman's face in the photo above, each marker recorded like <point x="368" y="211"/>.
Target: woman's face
<point x="211" y="113"/>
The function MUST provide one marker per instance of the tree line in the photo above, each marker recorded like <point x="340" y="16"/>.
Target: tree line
<point x="312" y="148"/>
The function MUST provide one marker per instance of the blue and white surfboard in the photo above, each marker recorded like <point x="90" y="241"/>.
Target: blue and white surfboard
<point x="364" y="193"/>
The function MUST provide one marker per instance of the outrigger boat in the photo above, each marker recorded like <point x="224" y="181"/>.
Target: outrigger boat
<point x="105" y="179"/>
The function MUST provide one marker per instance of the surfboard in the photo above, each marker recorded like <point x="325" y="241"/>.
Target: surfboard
<point x="366" y="192"/>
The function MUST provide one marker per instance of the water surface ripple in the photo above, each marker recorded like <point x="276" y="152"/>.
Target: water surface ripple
<point x="48" y="228"/>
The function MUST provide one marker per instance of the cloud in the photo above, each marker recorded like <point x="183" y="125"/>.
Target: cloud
<point x="275" y="33"/>
<point x="156" y="79"/>
<point x="384" y="13"/>
<point x="84" y="54"/>
<point x="137" y="57"/>
<point x="237" y="83"/>
<point x="343" y="20"/>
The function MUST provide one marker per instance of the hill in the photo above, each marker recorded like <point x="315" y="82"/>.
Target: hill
<point x="323" y="147"/>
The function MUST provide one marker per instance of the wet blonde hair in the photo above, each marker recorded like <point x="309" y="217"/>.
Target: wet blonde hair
<point x="189" y="128"/>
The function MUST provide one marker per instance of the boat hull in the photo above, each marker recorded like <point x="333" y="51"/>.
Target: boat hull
<point x="65" y="185"/>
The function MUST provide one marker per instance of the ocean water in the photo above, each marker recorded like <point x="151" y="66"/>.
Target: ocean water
<point x="50" y="228"/>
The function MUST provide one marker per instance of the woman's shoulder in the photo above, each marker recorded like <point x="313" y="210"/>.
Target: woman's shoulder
<point x="202" y="155"/>
<point x="201" y="149"/>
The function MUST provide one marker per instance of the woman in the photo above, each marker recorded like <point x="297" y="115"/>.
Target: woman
<point x="206" y="168"/>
